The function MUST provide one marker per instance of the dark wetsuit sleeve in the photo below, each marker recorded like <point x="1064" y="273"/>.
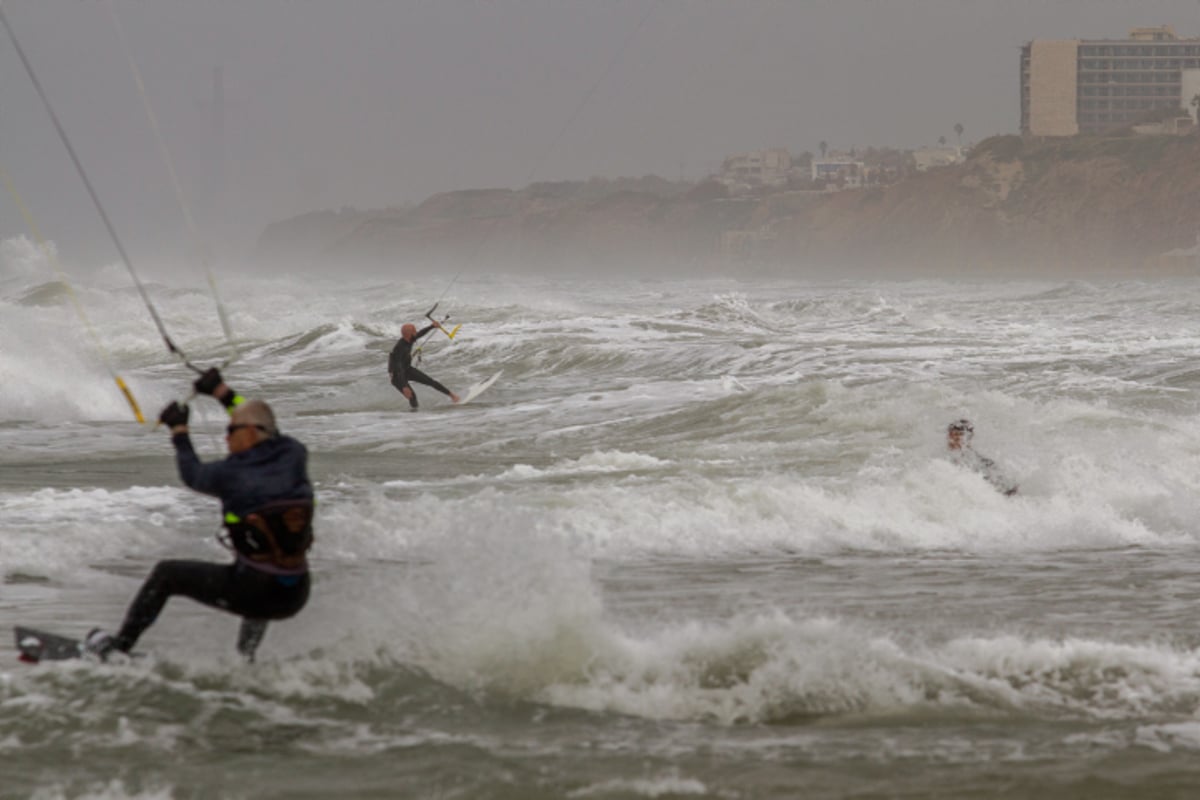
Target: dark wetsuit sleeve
<point x="422" y="332"/>
<point x="207" y="478"/>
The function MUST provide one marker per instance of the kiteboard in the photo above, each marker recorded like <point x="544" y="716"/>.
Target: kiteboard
<point x="35" y="646"/>
<point x="478" y="389"/>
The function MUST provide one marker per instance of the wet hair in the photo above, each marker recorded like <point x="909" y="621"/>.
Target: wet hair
<point x="961" y="426"/>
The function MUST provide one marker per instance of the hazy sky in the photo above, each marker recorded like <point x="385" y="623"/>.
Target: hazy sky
<point x="375" y="103"/>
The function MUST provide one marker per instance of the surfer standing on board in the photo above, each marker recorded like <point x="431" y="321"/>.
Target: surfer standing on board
<point x="401" y="369"/>
<point x="267" y="501"/>
<point x="958" y="441"/>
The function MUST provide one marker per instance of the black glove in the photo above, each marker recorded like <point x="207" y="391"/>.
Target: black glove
<point x="208" y="382"/>
<point x="174" y="414"/>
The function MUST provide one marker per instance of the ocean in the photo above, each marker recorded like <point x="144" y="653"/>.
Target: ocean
<point x="701" y="540"/>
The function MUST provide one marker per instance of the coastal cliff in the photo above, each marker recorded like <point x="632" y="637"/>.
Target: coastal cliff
<point x="1082" y="205"/>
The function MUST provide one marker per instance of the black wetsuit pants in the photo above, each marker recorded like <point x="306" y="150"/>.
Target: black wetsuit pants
<point x="415" y="375"/>
<point x="253" y="595"/>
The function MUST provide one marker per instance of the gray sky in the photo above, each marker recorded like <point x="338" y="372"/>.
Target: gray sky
<point x="369" y="103"/>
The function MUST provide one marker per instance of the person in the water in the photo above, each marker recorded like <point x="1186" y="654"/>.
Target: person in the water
<point x="401" y="369"/>
<point x="267" y="504"/>
<point x="958" y="441"/>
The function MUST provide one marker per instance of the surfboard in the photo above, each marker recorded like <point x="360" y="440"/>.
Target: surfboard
<point x="35" y="646"/>
<point x="478" y="389"/>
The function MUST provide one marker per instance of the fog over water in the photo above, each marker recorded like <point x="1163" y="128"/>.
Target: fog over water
<point x="371" y="105"/>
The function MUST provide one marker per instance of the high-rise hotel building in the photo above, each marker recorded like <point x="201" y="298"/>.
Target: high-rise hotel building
<point x="1090" y="86"/>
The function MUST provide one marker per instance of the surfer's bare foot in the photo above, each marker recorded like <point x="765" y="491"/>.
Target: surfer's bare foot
<point x="453" y="397"/>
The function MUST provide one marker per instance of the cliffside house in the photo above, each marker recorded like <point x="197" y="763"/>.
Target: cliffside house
<point x="771" y="167"/>
<point x="841" y="172"/>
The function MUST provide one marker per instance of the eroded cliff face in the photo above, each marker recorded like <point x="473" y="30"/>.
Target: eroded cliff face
<point x="1113" y="204"/>
<point x="1082" y="205"/>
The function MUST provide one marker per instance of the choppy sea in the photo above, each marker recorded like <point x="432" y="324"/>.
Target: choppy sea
<point x="701" y="539"/>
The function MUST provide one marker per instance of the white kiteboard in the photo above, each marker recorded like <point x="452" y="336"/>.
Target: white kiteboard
<point x="478" y="389"/>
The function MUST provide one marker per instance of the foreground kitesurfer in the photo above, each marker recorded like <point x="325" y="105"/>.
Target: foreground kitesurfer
<point x="267" y="501"/>
<point x="401" y="369"/>
<point x="958" y="440"/>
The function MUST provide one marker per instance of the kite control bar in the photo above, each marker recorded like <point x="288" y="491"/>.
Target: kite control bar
<point x="429" y="316"/>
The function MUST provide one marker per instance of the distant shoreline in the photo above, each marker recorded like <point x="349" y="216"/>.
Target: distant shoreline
<point x="1082" y="205"/>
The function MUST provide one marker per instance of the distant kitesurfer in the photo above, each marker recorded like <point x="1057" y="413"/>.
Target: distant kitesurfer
<point x="958" y="440"/>
<point x="267" y="502"/>
<point x="401" y="369"/>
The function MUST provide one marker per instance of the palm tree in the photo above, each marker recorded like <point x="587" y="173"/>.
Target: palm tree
<point x="942" y="141"/>
<point x="958" y="129"/>
<point x="823" y="146"/>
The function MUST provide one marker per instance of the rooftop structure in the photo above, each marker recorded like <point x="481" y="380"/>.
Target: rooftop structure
<point x="842" y="172"/>
<point x="769" y="167"/>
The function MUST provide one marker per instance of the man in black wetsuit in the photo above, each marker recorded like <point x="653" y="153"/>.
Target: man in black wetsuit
<point x="267" y="501"/>
<point x="401" y="369"/>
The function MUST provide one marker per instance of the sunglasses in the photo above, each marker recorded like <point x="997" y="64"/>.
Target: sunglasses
<point x="230" y="430"/>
